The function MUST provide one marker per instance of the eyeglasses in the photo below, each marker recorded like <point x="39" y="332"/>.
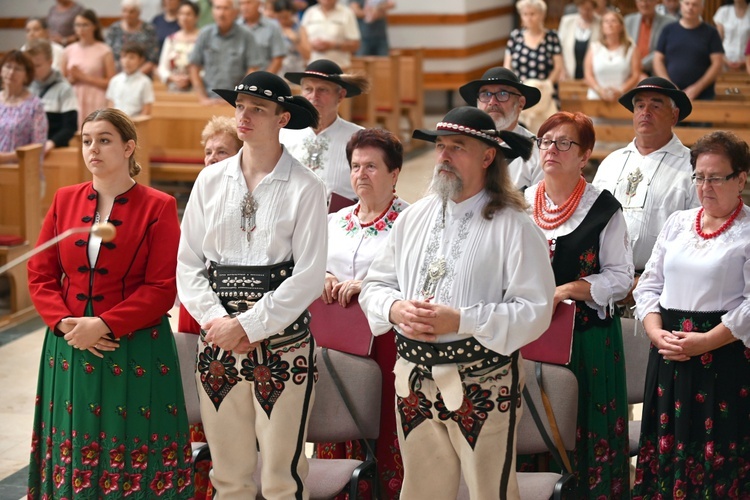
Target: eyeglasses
<point x="560" y="144"/>
<point x="501" y="96"/>
<point x="712" y="181"/>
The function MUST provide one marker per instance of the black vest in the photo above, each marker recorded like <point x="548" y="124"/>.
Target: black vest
<point x="577" y="255"/>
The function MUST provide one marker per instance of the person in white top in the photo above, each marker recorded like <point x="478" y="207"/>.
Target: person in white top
<point x="694" y="303"/>
<point x="612" y="64"/>
<point x="131" y="90"/>
<point x="650" y="177"/>
<point x="36" y="29"/>
<point x="253" y="243"/>
<point x="501" y="94"/>
<point x="329" y="30"/>
<point x="733" y="23"/>
<point x="465" y="280"/>
<point x="322" y="149"/>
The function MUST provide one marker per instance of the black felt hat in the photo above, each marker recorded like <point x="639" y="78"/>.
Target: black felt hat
<point x="273" y="88"/>
<point x="323" y="69"/>
<point x="473" y="122"/>
<point x="662" y="86"/>
<point x="499" y="76"/>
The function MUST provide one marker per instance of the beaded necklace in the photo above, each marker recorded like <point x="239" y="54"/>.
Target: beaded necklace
<point x="560" y="214"/>
<point x="373" y="221"/>
<point x="724" y="227"/>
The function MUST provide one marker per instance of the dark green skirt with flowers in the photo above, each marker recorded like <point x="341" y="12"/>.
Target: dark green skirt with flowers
<point x="114" y="427"/>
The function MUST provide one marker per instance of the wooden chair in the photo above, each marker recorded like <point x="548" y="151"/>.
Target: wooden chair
<point x="20" y="224"/>
<point x="636" y="346"/>
<point x="561" y="387"/>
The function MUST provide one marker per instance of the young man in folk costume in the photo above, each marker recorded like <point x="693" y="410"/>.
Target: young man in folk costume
<point x="466" y="281"/>
<point x="251" y="243"/>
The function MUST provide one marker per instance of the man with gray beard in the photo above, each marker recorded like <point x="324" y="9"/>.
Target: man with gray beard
<point x="465" y="280"/>
<point x="502" y="95"/>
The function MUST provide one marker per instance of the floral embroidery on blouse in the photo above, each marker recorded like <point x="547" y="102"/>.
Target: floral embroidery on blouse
<point x="352" y="227"/>
<point x="589" y="263"/>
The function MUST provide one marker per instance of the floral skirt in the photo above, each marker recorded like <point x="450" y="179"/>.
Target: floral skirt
<point x="695" y="435"/>
<point x="114" y="427"/>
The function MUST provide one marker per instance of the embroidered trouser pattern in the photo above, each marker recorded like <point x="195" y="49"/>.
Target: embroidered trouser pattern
<point x="477" y="440"/>
<point x="266" y="395"/>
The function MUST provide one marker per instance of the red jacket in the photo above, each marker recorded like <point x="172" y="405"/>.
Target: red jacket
<point x="132" y="285"/>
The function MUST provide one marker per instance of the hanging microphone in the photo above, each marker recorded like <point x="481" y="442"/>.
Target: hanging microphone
<point x="106" y="231"/>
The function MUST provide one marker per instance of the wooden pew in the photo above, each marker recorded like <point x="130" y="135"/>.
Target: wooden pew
<point x="63" y="167"/>
<point x="169" y="96"/>
<point x="614" y="123"/>
<point x="176" y="153"/>
<point x="362" y="109"/>
<point x="572" y="89"/>
<point x="19" y="217"/>
<point x="411" y="87"/>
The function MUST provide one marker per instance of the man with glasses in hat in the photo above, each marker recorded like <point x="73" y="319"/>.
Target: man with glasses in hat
<point x="650" y="177"/>
<point x="251" y="245"/>
<point x="323" y="148"/>
<point x="502" y="95"/>
<point x="465" y="280"/>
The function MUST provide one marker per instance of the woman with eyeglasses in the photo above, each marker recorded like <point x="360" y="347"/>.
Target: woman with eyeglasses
<point x="593" y="265"/>
<point x="694" y="301"/>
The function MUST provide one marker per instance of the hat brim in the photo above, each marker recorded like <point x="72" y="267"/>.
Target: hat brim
<point x="432" y="135"/>
<point x="351" y="90"/>
<point x="681" y="100"/>
<point x="470" y="90"/>
<point x="300" y="117"/>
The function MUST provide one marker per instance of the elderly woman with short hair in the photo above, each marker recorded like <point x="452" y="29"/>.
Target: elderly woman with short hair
<point x="694" y="301"/>
<point x="356" y="234"/>
<point x="533" y="51"/>
<point x="131" y="28"/>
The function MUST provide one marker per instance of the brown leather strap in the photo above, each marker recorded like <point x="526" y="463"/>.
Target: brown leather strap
<point x="552" y="421"/>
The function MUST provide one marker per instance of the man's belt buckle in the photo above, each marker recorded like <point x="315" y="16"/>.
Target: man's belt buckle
<point x="241" y="305"/>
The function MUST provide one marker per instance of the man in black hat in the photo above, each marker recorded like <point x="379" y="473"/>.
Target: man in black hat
<point x="465" y="280"/>
<point x="323" y="148"/>
<point x="502" y="95"/>
<point x="651" y="176"/>
<point x="251" y="244"/>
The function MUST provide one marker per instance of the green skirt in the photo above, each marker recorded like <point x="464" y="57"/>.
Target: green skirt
<point x="114" y="427"/>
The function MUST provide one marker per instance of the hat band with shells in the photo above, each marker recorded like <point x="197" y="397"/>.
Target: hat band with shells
<point x="257" y="90"/>
<point x="490" y="135"/>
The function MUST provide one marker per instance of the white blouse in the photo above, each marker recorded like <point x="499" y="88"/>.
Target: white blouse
<point x="352" y="248"/>
<point x="615" y="276"/>
<point x="690" y="273"/>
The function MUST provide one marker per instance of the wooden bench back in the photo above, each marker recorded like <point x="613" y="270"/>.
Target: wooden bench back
<point x="19" y="194"/>
<point x="411" y="86"/>
<point x="175" y="128"/>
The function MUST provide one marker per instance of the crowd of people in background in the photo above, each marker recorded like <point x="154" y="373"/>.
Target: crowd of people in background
<point x="661" y="232"/>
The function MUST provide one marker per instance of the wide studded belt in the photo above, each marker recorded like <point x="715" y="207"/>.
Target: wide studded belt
<point x="246" y="283"/>
<point x="433" y="353"/>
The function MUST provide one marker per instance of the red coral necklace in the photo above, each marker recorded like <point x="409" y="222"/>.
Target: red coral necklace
<point x="723" y="228"/>
<point x="560" y="214"/>
<point x="373" y="221"/>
